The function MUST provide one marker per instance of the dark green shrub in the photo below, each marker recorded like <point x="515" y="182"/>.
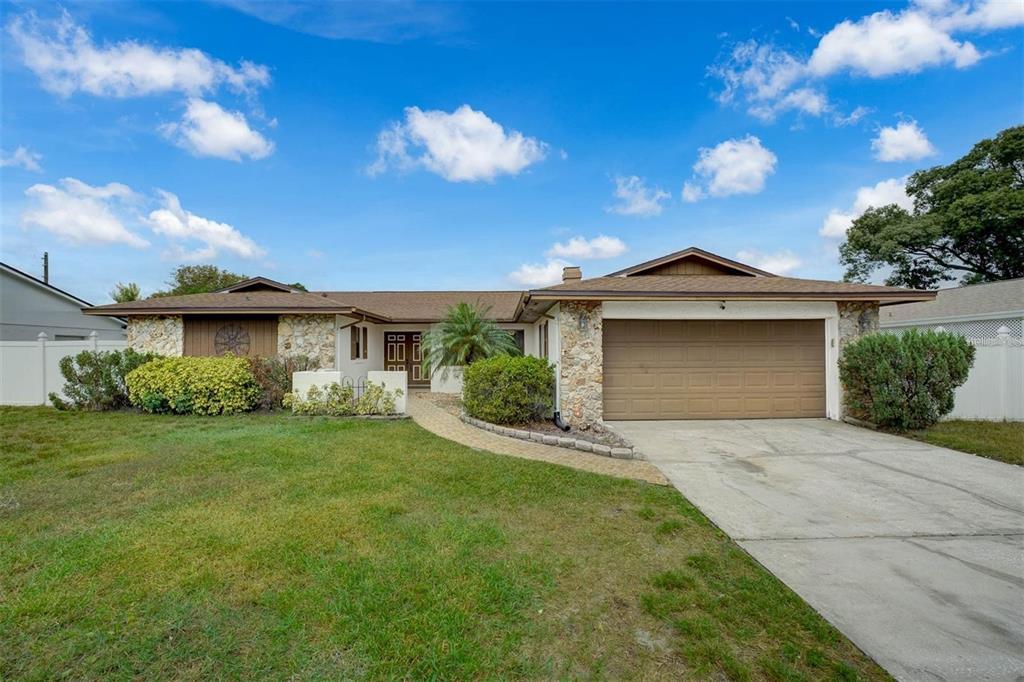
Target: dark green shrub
<point x="194" y="385"/>
<point x="904" y="381"/>
<point x="274" y="376"/>
<point x="94" y="380"/>
<point x="508" y="389"/>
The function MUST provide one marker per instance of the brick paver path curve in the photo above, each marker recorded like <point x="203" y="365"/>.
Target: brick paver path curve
<point x="439" y="421"/>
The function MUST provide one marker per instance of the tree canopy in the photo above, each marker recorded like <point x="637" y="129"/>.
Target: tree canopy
<point x="967" y="222"/>
<point x="123" y="293"/>
<point x="198" y="279"/>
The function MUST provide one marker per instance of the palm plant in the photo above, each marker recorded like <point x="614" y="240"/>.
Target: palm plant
<point x="464" y="336"/>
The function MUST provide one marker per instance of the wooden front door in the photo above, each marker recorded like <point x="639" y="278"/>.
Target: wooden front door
<point x="403" y="353"/>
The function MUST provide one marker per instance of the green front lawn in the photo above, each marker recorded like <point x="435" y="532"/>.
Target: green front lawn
<point x="1003" y="441"/>
<point x="269" y="546"/>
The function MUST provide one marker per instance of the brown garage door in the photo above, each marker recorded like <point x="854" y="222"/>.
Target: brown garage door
<point x="714" y="369"/>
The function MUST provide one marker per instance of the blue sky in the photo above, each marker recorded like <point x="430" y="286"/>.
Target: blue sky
<point x="431" y="146"/>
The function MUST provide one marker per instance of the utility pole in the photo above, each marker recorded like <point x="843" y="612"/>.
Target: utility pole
<point x="46" y="267"/>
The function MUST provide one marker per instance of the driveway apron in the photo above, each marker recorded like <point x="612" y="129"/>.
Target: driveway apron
<point x="915" y="552"/>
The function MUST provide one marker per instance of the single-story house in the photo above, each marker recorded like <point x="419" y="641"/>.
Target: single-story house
<point x="690" y="335"/>
<point x="30" y="306"/>
<point x="976" y="311"/>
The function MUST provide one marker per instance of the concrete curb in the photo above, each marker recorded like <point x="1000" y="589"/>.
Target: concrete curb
<point x="566" y="442"/>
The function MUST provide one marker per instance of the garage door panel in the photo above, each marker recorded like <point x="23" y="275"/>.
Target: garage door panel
<point x="707" y="369"/>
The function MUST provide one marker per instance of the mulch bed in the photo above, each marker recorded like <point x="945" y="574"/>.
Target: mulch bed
<point x="453" y="405"/>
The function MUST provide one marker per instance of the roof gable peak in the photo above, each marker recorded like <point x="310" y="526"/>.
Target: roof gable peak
<point x="258" y="284"/>
<point x="692" y="261"/>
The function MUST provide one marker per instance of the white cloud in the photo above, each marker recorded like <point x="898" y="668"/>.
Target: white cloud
<point x="177" y="224"/>
<point x="583" y="249"/>
<point x="462" y="146"/>
<point x="905" y="142"/>
<point x="539" y="274"/>
<point x="66" y="60"/>
<point x="22" y="157"/>
<point x="852" y="118"/>
<point x="778" y="263"/>
<point x="81" y="213"/>
<point x="892" y="191"/>
<point x="738" y="166"/>
<point x="884" y="44"/>
<point x="692" y="192"/>
<point x="804" y="100"/>
<point x="757" y="73"/>
<point x="769" y="80"/>
<point x="636" y="198"/>
<point x="208" y="130"/>
<point x="986" y="15"/>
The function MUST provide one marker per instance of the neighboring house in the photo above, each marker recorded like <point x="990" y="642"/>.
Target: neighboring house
<point x="977" y="311"/>
<point x="29" y="306"/>
<point x="690" y="335"/>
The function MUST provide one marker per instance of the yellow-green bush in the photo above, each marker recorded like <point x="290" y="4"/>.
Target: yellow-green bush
<point x="336" y="400"/>
<point x="191" y="385"/>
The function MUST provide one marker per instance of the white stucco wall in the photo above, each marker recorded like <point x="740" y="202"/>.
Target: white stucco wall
<point x="358" y="368"/>
<point x="554" y="347"/>
<point x="747" y="310"/>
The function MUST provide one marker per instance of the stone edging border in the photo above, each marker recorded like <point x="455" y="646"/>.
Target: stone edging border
<point x="361" y="417"/>
<point x="556" y="441"/>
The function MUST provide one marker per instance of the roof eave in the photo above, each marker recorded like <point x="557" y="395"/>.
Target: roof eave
<point x="887" y="297"/>
<point x="269" y="310"/>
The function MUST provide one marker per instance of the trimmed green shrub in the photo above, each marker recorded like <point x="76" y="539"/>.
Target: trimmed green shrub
<point x="94" y="380"/>
<point x="339" y="401"/>
<point x="904" y="381"/>
<point x="508" y="389"/>
<point x="194" y="385"/>
<point x="274" y="376"/>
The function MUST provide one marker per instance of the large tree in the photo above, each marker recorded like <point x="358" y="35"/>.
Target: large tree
<point x="198" y="279"/>
<point x="967" y="222"/>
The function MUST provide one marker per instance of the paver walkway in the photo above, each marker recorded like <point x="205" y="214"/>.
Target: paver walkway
<point x="439" y="421"/>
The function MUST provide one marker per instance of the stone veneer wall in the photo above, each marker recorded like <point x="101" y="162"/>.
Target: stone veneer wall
<point x="581" y="384"/>
<point x="311" y="335"/>
<point x="163" y="334"/>
<point x="855" y="320"/>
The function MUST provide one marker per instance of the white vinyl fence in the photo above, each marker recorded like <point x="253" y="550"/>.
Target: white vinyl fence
<point x="995" y="386"/>
<point x="30" y="370"/>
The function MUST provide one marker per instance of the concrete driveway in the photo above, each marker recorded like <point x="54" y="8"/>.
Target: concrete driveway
<point x="915" y="552"/>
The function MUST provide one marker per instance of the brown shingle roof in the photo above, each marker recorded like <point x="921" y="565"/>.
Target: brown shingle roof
<point x="990" y="298"/>
<point x="426" y="306"/>
<point x="724" y="286"/>
<point x="241" y="302"/>
<point x="383" y="306"/>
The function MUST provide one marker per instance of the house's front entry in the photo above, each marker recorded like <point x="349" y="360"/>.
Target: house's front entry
<point x="403" y="352"/>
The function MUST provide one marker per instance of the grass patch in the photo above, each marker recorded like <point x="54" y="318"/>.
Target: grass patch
<point x="1003" y="441"/>
<point x="270" y="546"/>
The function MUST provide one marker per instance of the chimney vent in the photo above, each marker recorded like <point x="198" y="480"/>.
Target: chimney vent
<point x="571" y="274"/>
